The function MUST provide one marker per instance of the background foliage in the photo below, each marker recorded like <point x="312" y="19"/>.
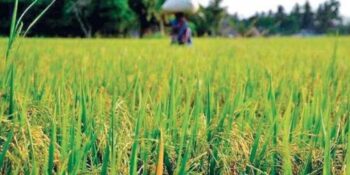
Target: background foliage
<point x="86" y="18"/>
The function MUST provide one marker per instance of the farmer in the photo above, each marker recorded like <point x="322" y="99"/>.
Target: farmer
<point x="180" y="31"/>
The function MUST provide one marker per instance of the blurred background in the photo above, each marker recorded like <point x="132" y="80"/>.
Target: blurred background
<point x="216" y="18"/>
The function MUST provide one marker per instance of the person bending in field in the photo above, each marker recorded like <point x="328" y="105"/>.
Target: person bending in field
<point x="180" y="31"/>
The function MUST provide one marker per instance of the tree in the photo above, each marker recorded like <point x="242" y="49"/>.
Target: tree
<point x="112" y="16"/>
<point x="100" y="16"/>
<point x="327" y="16"/>
<point x="214" y="14"/>
<point x="296" y="16"/>
<point x="291" y="23"/>
<point x="81" y="9"/>
<point x="201" y="22"/>
<point x="147" y="12"/>
<point x="266" y="23"/>
<point x="307" y="17"/>
<point x="280" y="16"/>
<point x="282" y="21"/>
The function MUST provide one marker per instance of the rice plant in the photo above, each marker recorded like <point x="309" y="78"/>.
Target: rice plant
<point x="108" y="106"/>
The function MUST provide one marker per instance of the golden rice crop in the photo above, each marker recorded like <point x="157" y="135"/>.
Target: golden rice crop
<point x="221" y="106"/>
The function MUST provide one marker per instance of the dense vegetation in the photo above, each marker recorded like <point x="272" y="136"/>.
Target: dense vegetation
<point x="86" y="18"/>
<point x="263" y="106"/>
<point x="302" y="18"/>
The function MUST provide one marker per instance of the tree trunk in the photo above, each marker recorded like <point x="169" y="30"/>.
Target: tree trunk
<point x="85" y="28"/>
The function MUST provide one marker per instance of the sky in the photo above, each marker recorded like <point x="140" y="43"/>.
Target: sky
<point x="247" y="8"/>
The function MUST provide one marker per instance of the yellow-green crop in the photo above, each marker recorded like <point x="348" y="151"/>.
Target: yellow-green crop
<point x="221" y="106"/>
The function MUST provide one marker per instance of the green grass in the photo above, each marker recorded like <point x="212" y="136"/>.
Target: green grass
<point x="104" y="106"/>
